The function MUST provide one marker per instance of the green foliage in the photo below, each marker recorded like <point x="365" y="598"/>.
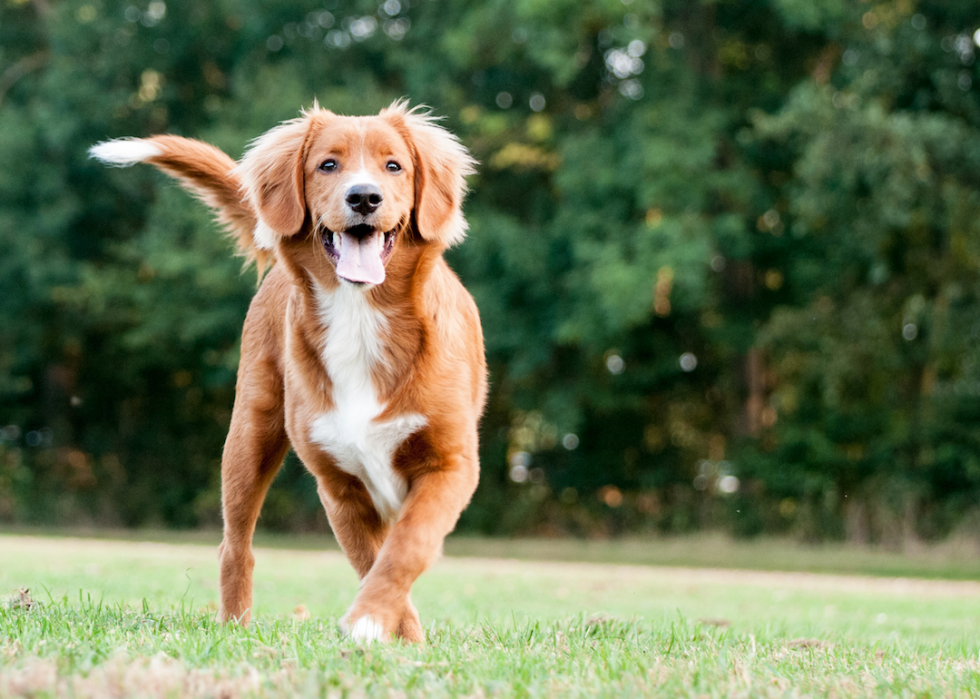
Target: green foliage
<point x="783" y="195"/>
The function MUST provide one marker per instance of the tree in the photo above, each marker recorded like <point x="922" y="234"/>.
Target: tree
<point x="724" y="253"/>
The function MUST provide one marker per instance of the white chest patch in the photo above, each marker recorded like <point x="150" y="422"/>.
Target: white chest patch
<point x="351" y="433"/>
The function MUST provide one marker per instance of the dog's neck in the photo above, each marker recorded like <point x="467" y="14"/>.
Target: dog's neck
<point x="384" y="324"/>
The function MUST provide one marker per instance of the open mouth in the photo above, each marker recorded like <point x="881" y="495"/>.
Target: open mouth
<point x="360" y="252"/>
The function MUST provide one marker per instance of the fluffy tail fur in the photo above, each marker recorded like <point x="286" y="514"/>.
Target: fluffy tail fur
<point x="204" y="170"/>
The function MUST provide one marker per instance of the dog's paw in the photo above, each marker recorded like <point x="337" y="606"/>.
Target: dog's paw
<point x="367" y="629"/>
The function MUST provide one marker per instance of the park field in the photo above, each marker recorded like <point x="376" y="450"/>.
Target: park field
<point x="114" y="618"/>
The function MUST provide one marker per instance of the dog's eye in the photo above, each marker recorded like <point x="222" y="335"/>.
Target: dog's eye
<point x="392" y="166"/>
<point x="328" y="165"/>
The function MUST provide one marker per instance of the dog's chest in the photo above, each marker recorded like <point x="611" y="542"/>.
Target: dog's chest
<point x="362" y="445"/>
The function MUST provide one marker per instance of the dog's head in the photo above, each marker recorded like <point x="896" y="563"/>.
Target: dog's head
<point x="343" y="194"/>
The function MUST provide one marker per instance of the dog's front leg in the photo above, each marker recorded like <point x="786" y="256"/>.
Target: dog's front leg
<point x="434" y="503"/>
<point x="361" y="533"/>
<point x="254" y="450"/>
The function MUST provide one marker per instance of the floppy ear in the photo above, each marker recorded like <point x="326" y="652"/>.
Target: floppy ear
<point x="441" y="166"/>
<point x="271" y="172"/>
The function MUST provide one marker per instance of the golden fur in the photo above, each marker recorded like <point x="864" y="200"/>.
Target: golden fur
<point x="279" y="201"/>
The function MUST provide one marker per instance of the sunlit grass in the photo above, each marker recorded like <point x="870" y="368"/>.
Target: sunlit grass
<point x="123" y="619"/>
<point x="957" y="558"/>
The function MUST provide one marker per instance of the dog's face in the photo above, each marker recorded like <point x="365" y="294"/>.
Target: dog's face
<point x="340" y="195"/>
<point x="360" y="191"/>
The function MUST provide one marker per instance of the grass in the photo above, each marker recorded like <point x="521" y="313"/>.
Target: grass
<point x="956" y="559"/>
<point x="126" y="618"/>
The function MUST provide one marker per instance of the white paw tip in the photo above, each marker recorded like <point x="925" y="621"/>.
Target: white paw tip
<point x="124" y="151"/>
<point x="367" y="629"/>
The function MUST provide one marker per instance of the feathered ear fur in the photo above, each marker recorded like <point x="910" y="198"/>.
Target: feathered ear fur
<point x="272" y="178"/>
<point x="441" y="167"/>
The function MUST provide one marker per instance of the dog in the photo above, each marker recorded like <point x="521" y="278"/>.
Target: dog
<point x="361" y="349"/>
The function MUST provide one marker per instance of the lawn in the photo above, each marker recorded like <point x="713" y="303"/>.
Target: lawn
<point x="130" y="618"/>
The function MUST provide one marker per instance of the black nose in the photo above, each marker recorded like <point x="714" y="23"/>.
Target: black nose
<point x="364" y="198"/>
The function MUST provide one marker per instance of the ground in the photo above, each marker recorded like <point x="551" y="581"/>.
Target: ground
<point x="130" y="618"/>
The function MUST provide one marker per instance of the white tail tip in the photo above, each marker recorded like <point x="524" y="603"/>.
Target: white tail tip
<point x="124" y="152"/>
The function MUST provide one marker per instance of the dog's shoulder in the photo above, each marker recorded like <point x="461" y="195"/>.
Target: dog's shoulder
<point x="451" y="310"/>
<point x="263" y="335"/>
<point x="458" y="361"/>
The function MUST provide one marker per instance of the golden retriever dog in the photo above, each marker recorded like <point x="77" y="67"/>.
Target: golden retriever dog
<point x="361" y="349"/>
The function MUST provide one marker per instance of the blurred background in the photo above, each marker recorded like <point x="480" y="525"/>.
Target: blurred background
<point x="727" y="255"/>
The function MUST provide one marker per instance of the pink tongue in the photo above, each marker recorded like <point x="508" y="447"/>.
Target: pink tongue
<point x="360" y="258"/>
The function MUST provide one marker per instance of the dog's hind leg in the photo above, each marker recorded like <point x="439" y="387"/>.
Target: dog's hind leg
<point x="410" y="627"/>
<point x="354" y="521"/>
